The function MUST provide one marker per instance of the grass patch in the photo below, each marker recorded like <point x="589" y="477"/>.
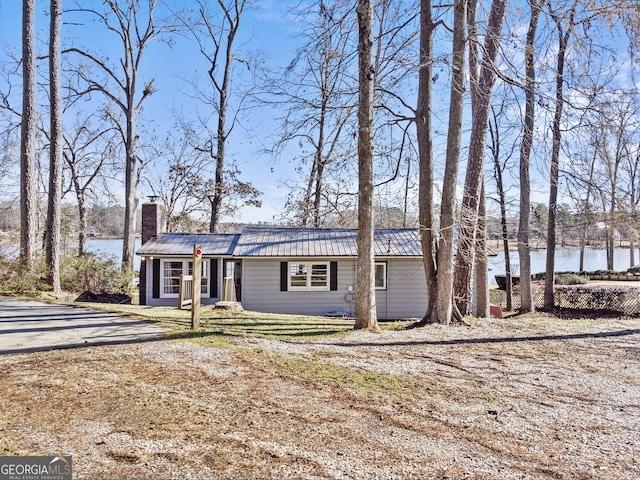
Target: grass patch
<point x="225" y="323"/>
<point x="325" y="372"/>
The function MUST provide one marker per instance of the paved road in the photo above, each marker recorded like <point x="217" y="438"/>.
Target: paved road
<point x="27" y="326"/>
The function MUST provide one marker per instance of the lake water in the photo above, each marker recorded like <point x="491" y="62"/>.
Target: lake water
<point x="567" y="260"/>
<point x="111" y="248"/>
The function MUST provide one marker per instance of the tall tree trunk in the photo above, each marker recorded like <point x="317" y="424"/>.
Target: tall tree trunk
<point x="365" y="293"/>
<point x="610" y="246"/>
<point x="219" y="181"/>
<point x="319" y="163"/>
<point x="481" y="269"/>
<point x="28" y="200"/>
<point x="82" y="222"/>
<point x="442" y="308"/>
<point x="306" y="202"/>
<point x="220" y="188"/>
<point x="585" y="220"/>
<point x="633" y="166"/>
<point x="497" y="169"/>
<point x="223" y="102"/>
<point x="425" y="154"/>
<point x="611" y="229"/>
<point x="317" y="199"/>
<point x="481" y="103"/>
<point x="405" y="203"/>
<point x="55" y="150"/>
<point x="563" y="39"/>
<point x="130" y="186"/>
<point x="524" y="250"/>
<point x="124" y="20"/>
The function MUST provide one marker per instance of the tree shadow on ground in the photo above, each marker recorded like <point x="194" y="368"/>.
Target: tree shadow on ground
<point x="465" y="341"/>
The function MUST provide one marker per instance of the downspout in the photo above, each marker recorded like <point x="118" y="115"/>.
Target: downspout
<point x="388" y="283"/>
<point x="355" y="279"/>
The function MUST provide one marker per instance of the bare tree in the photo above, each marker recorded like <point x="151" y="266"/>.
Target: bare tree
<point x="499" y="166"/>
<point x="565" y="23"/>
<point x="481" y="270"/>
<point x="524" y="251"/>
<point x="586" y="211"/>
<point x="618" y="125"/>
<point x="632" y="190"/>
<point x="134" y="29"/>
<point x="425" y="153"/>
<point x="481" y="93"/>
<point x="54" y="208"/>
<point x="317" y="88"/>
<point x="365" y="293"/>
<point x="442" y="309"/>
<point x="89" y="153"/>
<point x="183" y="189"/>
<point x="216" y="44"/>
<point x="28" y="201"/>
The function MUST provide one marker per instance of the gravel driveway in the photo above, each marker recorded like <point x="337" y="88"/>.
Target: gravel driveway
<point x="518" y="399"/>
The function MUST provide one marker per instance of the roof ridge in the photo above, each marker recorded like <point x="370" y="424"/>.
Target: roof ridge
<point x="200" y="233"/>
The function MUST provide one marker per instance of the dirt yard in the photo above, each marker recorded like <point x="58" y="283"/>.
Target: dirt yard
<point x="505" y="399"/>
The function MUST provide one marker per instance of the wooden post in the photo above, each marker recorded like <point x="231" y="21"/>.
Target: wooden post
<point x="196" y="287"/>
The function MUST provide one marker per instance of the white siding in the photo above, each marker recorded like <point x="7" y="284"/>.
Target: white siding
<point x="261" y="289"/>
<point x="405" y="297"/>
<point x="406" y="289"/>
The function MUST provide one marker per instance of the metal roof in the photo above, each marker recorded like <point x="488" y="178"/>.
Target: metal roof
<point x="285" y="242"/>
<point x="182" y="244"/>
<point x="331" y="242"/>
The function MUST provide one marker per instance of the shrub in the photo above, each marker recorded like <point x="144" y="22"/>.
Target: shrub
<point x="570" y="279"/>
<point x="78" y="274"/>
<point x="16" y="280"/>
<point x="605" y="272"/>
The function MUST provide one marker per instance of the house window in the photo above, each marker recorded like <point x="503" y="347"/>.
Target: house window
<point x="381" y="275"/>
<point x="171" y="272"/>
<point x="308" y="276"/>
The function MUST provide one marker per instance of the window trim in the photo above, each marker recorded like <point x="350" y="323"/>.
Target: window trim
<point x="185" y="271"/>
<point x="385" y="267"/>
<point x="309" y="274"/>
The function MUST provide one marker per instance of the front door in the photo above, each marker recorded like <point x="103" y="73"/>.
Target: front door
<point x="233" y="269"/>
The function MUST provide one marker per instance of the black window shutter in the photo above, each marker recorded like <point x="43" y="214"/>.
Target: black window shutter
<point x="284" y="280"/>
<point x="333" y="276"/>
<point x="213" y="280"/>
<point x="156" y="278"/>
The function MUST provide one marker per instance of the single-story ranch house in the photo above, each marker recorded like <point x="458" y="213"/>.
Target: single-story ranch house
<point x="283" y="270"/>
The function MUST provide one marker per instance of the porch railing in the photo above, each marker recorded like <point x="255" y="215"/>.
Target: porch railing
<point x="229" y="290"/>
<point x="185" y="292"/>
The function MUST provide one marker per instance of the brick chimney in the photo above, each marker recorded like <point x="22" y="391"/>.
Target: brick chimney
<point x="154" y="221"/>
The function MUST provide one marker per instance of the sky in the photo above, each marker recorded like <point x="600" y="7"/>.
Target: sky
<point x="267" y="26"/>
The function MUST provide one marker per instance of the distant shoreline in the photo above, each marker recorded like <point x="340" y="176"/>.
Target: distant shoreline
<point x="108" y="237"/>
